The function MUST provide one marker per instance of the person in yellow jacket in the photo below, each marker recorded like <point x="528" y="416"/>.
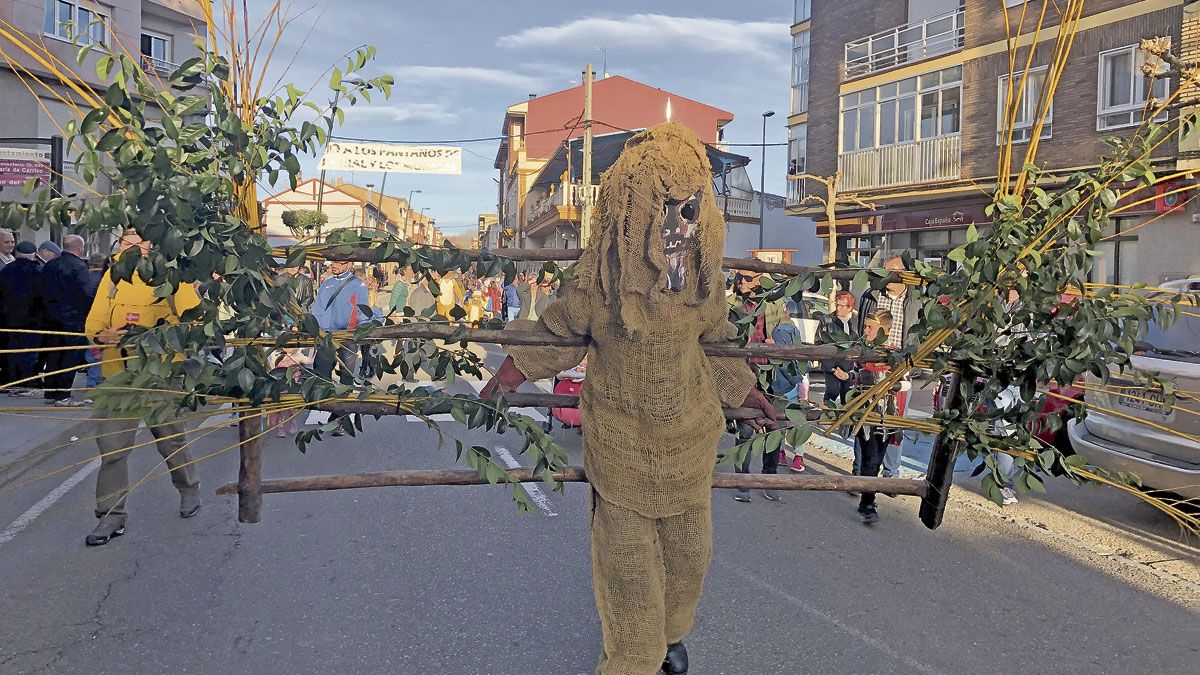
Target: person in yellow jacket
<point x="119" y="305"/>
<point x="450" y="295"/>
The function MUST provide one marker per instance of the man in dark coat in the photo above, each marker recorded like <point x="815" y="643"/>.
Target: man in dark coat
<point x="67" y="297"/>
<point x="21" y="307"/>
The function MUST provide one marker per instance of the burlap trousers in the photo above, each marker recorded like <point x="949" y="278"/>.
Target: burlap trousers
<point x="114" y="439"/>
<point x="648" y="575"/>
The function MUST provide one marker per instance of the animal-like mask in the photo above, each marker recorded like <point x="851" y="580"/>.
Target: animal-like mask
<point x="678" y="228"/>
<point x="658" y="232"/>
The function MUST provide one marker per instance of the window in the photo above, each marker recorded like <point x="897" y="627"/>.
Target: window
<point x="156" y="47"/>
<point x="912" y="109"/>
<point x="797" y="149"/>
<point x="800" y="57"/>
<point x="1117" y="262"/>
<point x="68" y="20"/>
<point x="1014" y="3"/>
<point x="803" y="10"/>
<point x="1121" y="101"/>
<point x="1026" y="103"/>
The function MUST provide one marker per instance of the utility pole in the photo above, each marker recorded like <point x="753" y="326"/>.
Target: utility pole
<point x="585" y="219"/>
<point x="762" y="182"/>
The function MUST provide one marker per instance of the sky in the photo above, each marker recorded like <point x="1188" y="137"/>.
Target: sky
<point x="458" y="65"/>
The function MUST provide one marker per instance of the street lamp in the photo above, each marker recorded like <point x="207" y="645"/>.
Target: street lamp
<point x="410" y="194"/>
<point x="762" y="180"/>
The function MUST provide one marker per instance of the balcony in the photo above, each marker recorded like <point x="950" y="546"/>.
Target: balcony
<point x="158" y="66"/>
<point x="799" y="98"/>
<point x="563" y="207"/>
<point x="795" y="192"/>
<point x="932" y="159"/>
<point x="905" y="44"/>
<point x="737" y="207"/>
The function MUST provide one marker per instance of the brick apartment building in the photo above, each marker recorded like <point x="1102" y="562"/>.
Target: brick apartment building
<point x="162" y="30"/>
<point x="904" y="99"/>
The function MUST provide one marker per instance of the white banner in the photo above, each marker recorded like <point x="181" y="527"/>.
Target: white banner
<point x="387" y="158"/>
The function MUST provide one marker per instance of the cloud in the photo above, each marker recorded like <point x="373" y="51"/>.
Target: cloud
<point x="403" y="112"/>
<point x="455" y="76"/>
<point x="762" y="38"/>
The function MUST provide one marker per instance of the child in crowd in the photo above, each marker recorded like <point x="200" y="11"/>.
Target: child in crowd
<point x="872" y="440"/>
<point x="285" y="422"/>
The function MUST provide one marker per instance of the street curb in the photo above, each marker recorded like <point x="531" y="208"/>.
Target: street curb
<point x="845" y="452"/>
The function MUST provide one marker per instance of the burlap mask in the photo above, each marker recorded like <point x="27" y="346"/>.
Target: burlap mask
<point x="625" y="262"/>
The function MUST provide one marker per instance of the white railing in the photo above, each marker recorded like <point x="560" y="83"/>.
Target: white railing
<point x="163" y="68"/>
<point x="555" y="200"/>
<point x="578" y="193"/>
<point x="917" y="162"/>
<point x="799" y="98"/>
<point x="795" y="191"/>
<point x="908" y="43"/>
<point x="742" y="207"/>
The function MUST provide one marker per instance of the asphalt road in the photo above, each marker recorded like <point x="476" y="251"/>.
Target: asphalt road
<point x="453" y="580"/>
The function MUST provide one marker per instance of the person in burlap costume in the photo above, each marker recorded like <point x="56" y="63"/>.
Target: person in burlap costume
<point x="647" y="293"/>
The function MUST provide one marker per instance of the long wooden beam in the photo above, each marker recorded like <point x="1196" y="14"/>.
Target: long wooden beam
<point x="543" y="338"/>
<point x="575" y="474"/>
<point x="364" y="254"/>
<point x="519" y="400"/>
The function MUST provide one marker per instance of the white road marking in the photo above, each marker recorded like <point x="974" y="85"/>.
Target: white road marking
<point x="46" y="502"/>
<point x="828" y="618"/>
<point x="532" y="489"/>
<point x="317" y="418"/>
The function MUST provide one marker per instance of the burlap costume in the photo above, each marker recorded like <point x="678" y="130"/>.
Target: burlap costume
<point x="651" y="403"/>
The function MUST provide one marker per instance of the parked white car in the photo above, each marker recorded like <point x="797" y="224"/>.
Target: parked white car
<point x="1163" y="461"/>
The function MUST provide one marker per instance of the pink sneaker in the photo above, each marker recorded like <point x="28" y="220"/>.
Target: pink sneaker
<point x="798" y="463"/>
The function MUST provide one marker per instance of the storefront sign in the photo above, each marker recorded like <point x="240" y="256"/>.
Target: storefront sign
<point x="387" y="158"/>
<point x="18" y="165"/>
<point x="934" y="218"/>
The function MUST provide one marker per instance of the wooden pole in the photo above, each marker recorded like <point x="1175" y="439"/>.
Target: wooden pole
<point x="575" y="474"/>
<point x="585" y="218"/>
<point x="440" y="331"/>
<point x="939" y="476"/>
<point x="520" y="400"/>
<point x="362" y="254"/>
<point x="249" y="485"/>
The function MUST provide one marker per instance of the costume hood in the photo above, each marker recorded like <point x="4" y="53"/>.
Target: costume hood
<point x="624" y="262"/>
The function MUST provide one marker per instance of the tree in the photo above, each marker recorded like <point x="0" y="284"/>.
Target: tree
<point x="304" y="220"/>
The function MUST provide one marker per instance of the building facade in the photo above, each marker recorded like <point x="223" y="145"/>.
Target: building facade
<point x="907" y="101"/>
<point x="346" y="207"/>
<point x="163" y="31"/>
<point x="540" y="190"/>
<point x="488" y="230"/>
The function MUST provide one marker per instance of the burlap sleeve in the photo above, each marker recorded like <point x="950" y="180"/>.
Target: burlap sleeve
<point x="567" y="317"/>
<point x="732" y="376"/>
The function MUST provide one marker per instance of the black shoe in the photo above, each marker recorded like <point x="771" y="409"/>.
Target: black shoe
<point x="338" y="432"/>
<point x="742" y="496"/>
<point x="772" y="496"/>
<point x="105" y="531"/>
<point x="869" y="514"/>
<point x="676" y="662"/>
